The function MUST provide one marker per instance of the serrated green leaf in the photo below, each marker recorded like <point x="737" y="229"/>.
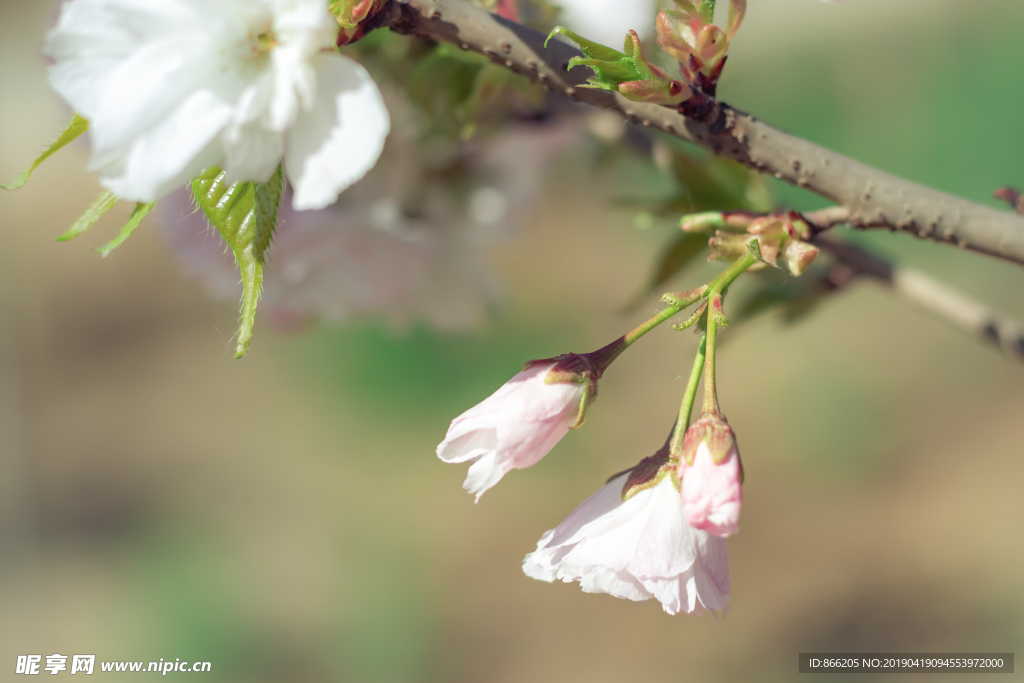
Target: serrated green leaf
<point x="268" y="201"/>
<point x="105" y="202"/>
<point x="245" y="215"/>
<point x="133" y="222"/>
<point x="707" y="11"/>
<point x="588" y="47"/>
<point x="77" y="126"/>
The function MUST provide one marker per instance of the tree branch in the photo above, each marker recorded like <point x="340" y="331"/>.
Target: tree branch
<point x="928" y="294"/>
<point x="871" y="198"/>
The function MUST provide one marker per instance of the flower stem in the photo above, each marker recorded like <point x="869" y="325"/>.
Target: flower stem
<point x="729" y="275"/>
<point x="604" y="356"/>
<point x="686" y="409"/>
<point x="648" y="325"/>
<point x="710" y="389"/>
<point x="717" y="288"/>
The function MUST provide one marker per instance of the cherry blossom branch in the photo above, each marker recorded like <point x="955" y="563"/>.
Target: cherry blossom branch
<point x="870" y="198"/>
<point x="954" y="307"/>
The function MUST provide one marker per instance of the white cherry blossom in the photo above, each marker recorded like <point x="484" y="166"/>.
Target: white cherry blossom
<point x="171" y="87"/>
<point x="637" y="549"/>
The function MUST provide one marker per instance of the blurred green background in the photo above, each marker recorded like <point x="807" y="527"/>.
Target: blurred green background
<point x="285" y="518"/>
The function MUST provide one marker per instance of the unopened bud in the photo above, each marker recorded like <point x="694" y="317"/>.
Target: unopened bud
<point x="628" y="73"/>
<point x="686" y="33"/>
<point x="702" y="222"/>
<point x="728" y="246"/>
<point x="711" y="475"/>
<point x="767" y="226"/>
<point x="799" y="256"/>
<point x="572" y="368"/>
<point x="712" y="430"/>
<point x="714" y="220"/>
<point x="352" y="16"/>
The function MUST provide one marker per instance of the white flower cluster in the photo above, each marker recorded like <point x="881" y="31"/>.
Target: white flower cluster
<point x="172" y="87"/>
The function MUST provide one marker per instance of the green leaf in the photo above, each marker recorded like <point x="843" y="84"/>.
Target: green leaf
<point x="588" y="47"/>
<point x="245" y="215"/>
<point x="610" y="67"/>
<point x="268" y="201"/>
<point x="707" y="11"/>
<point x="103" y="203"/>
<point x="133" y="222"/>
<point x="77" y="126"/>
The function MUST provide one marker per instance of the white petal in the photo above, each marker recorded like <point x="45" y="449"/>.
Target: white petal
<point x="666" y="546"/>
<point x="340" y="138"/>
<point x="485" y="473"/>
<point x="619" y="584"/>
<point x="295" y="87"/>
<point x="255" y="156"/>
<point x="468" y="441"/>
<point x="171" y="153"/>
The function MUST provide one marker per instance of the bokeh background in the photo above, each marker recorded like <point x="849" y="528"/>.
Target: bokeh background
<point x="285" y="518"/>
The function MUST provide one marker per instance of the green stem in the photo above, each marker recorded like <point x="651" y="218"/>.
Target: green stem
<point x="729" y="275"/>
<point x="645" y="327"/>
<point x="686" y="409"/>
<point x="604" y="356"/>
<point x="717" y="289"/>
<point x="710" y="389"/>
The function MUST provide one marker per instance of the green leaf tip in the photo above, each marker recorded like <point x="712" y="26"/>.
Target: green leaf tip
<point x="105" y="202"/>
<point x="627" y="73"/>
<point x="245" y="215"/>
<point x="140" y="212"/>
<point x="77" y="126"/>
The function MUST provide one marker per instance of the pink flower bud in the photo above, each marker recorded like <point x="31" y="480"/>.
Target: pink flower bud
<point x="516" y="426"/>
<point x="711" y="475"/>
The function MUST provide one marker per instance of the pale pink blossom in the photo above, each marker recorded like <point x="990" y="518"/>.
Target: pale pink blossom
<point x="637" y="549"/>
<point x="513" y="428"/>
<point x="712" y="496"/>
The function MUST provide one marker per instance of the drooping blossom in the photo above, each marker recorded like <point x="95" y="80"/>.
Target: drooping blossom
<point x="171" y="87"/>
<point x="712" y="475"/>
<point x="514" y="427"/>
<point x="639" y="548"/>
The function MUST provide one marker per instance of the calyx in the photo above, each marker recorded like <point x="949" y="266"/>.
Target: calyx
<point x="648" y="473"/>
<point x="713" y="430"/>
<point x="573" y="368"/>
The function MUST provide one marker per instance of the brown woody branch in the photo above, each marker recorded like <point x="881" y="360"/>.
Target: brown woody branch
<point x="869" y="197"/>
<point x="926" y="293"/>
